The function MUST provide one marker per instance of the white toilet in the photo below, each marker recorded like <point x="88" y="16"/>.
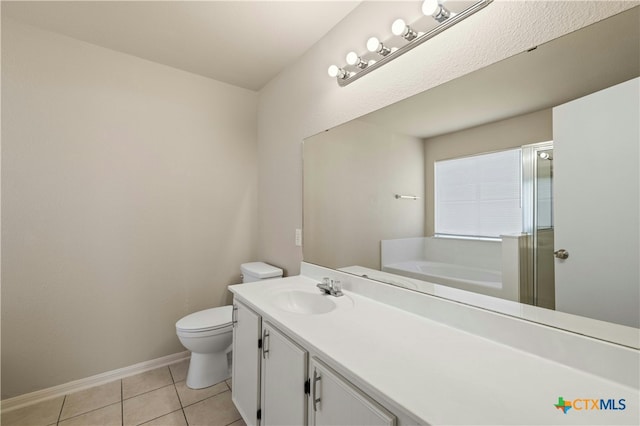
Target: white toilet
<point x="208" y="334"/>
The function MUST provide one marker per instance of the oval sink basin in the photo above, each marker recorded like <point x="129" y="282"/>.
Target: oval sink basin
<point x="302" y="302"/>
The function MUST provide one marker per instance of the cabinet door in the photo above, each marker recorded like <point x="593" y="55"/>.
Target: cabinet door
<point x="337" y="402"/>
<point x="284" y="373"/>
<point x="246" y="362"/>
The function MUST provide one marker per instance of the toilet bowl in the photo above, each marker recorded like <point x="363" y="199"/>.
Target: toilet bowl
<point x="208" y="335"/>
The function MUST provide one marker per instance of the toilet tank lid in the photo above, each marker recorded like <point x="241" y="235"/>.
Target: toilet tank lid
<point x="260" y="270"/>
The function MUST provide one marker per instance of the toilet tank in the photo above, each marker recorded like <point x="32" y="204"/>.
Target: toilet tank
<point x="256" y="271"/>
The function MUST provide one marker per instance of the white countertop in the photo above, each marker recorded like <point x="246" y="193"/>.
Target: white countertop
<point x="603" y="330"/>
<point x="436" y="373"/>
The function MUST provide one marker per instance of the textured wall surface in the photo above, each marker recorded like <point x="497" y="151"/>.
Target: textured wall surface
<point x="303" y="101"/>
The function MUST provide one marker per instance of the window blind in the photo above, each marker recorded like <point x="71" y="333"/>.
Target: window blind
<point x="479" y="196"/>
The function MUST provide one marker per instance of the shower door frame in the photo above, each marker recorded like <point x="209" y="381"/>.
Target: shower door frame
<point x="530" y="211"/>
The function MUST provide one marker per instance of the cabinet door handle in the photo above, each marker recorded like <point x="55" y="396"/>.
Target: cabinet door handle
<point x="316" y="379"/>
<point x="234" y="315"/>
<point x="265" y="347"/>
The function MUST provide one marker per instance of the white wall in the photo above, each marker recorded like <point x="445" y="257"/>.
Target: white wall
<point x="303" y="101"/>
<point x="129" y="200"/>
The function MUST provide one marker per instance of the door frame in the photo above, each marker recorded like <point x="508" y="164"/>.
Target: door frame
<point x="529" y="212"/>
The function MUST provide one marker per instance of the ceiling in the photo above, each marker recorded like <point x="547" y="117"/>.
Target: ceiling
<point x="243" y="43"/>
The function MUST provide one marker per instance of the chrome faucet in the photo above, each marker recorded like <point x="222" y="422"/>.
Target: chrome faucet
<point x="330" y="287"/>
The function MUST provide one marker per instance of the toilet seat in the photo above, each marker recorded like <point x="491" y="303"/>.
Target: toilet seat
<point x="208" y="320"/>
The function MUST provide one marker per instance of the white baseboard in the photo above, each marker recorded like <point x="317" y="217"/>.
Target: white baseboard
<point x="88" y="382"/>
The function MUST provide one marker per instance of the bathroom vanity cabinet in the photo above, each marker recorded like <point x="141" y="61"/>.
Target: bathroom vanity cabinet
<point x="378" y="356"/>
<point x="277" y="381"/>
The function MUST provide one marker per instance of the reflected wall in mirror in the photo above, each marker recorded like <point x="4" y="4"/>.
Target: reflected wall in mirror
<point x="354" y="221"/>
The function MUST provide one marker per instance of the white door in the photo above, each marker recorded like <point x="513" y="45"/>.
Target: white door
<point x="245" y="391"/>
<point x="284" y="373"/>
<point x="597" y="199"/>
<point x="335" y="401"/>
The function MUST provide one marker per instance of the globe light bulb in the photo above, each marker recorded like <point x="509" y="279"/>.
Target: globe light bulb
<point x="435" y="9"/>
<point x="430" y="7"/>
<point x="352" y="58"/>
<point x="335" y="71"/>
<point x="373" y="44"/>
<point x="399" y="27"/>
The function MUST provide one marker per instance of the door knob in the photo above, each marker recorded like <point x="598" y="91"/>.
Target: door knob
<point x="561" y="254"/>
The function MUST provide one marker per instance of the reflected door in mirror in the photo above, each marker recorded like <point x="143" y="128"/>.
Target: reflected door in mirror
<point x="597" y="187"/>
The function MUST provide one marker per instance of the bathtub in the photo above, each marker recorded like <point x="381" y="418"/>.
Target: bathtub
<point x="458" y="276"/>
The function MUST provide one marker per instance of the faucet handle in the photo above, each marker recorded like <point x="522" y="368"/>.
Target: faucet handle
<point x="325" y="286"/>
<point x="331" y="287"/>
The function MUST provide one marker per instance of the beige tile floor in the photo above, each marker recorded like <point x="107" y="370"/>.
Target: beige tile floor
<point x="158" y="397"/>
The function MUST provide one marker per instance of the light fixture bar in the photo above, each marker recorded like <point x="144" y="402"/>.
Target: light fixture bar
<point x="447" y="23"/>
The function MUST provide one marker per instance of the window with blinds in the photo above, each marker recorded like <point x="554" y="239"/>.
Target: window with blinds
<point x="479" y="196"/>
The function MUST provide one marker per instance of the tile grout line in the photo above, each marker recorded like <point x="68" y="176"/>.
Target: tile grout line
<point x="86" y="412"/>
<point x="201" y="400"/>
<point x="156" y="418"/>
<point x="171" y="374"/>
<point x="181" y="405"/>
<point x="179" y="399"/>
<point x="146" y="392"/>
<point x="61" y="408"/>
<point x="174" y="386"/>
<point x="64" y="401"/>
<point x="149" y="390"/>
<point x="176" y="389"/>
<point x="231" y="390"/>
<point x="226" y="382"/>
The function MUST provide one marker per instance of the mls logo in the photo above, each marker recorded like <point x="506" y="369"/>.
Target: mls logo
<point x="563" y="405"/>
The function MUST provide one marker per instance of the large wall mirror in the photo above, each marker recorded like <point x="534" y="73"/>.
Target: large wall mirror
<point x="470" y="190"/>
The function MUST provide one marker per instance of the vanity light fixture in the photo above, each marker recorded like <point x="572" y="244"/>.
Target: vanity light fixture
<point x="358" y="65"/>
